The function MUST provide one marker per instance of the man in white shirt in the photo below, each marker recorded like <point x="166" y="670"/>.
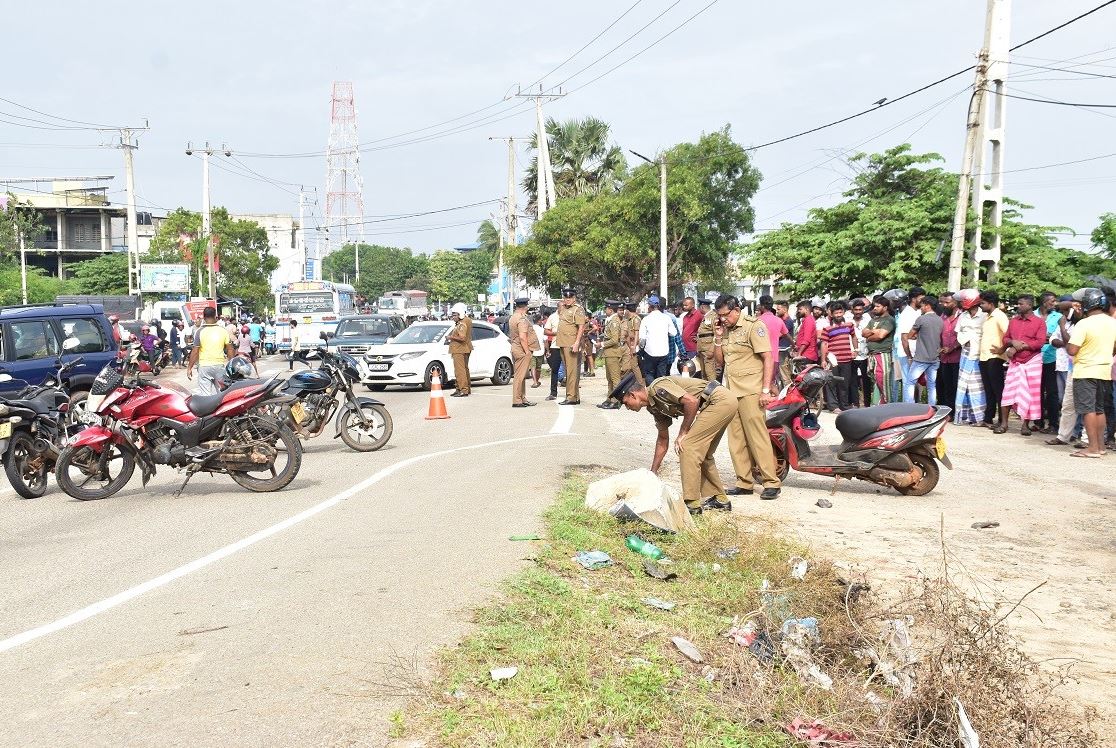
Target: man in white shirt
<point x="540" y="354"/>
<point x="859" y="320"/>
<point x="904" y="323"/>
<point x="553" y="353"/>
<point x="654" y="340"/>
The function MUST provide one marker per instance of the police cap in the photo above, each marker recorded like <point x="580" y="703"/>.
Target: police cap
<point x="632" y="305"/>
<point x="612" y="304"/>
<point x="568" y="291"/>
<point x="626" y="383"/>
<point x="522" y="301"/>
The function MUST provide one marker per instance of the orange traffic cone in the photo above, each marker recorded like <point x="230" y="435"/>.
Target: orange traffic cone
<point x="437" y="398"/>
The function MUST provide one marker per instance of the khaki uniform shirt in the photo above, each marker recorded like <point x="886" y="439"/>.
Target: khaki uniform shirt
<point x="705" y="335"/>
<point x="612" y="346"/>
<point x="464" y="329"/>
<point x="632" y="329"/>
<point x="742" y="345"/>
<point x="569" y="320"/>
<point x="517" y="325"/>
<point x="664" y="397"/>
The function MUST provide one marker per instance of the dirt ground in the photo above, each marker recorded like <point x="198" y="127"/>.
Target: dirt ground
<point x="1057" y="517"/>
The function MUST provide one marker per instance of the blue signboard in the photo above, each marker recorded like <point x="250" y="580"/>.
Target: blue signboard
<point x="311" y="270"/>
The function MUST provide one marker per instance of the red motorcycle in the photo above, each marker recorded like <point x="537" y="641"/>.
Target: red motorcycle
<point x="897" y="445"/>
<point x="132" y="421"/>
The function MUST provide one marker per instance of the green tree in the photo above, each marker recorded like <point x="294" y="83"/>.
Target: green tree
<point x="245" y="258"/>
<point x="42" y="288"/>
<point x="488" y="236"/>
<point x="17" y="218"/>
<point x="893" y="230"/>
<point x="459" y="277"/>
<point x="382" y="269"/>
<point x="583" y="161"/>
<point x="609" y="242"/>
<point x="1104" y="236"/>
<point x="106" y="275"/>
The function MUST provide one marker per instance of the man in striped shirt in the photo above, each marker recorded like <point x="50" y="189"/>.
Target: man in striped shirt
<point x="838" y="349"/>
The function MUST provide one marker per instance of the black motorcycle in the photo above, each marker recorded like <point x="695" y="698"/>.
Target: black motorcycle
<point x="36" y="428"/>
<point x="363" y="423"/>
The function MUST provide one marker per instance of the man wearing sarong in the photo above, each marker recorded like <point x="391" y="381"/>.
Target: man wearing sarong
<point x="969" y="405"/>
<point x="1023" y="341"/>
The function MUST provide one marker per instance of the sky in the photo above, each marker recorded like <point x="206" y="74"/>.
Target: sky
<point x="256" y="76"/>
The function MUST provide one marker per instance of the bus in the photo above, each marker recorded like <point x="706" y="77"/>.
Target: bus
<point x="315" y="305"/>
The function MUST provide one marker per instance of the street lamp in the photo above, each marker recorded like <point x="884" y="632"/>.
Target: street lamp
<point x="661" y="161"/>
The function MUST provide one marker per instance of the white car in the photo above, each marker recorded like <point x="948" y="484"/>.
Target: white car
<point x="411" y="357"/>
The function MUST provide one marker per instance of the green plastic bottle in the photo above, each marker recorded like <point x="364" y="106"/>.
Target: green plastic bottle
<point x="643" y="547"/>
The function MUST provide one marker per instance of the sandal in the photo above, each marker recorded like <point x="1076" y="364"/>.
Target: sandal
<point x="1000" y="430"/>
<point x="1025" y="431"/>
<point x="1056" y="442"/>
<point x="1090" y="455"/>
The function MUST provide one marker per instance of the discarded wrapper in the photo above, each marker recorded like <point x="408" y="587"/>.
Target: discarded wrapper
<point x="593" y="559"/>
<point x="687" y="648"/>
<point x="655" y="602"/>
<point x="653" y="569"/>
<point x="503" y="673"/>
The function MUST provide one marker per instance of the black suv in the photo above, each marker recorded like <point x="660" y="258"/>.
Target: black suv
<point x="357" y="334"/>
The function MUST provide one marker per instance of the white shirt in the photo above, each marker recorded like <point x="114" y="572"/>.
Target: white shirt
<point x="1062" y="359"/>
<point x="654" y="333"/>
<point x="551" y="326"/>
<point x="861" y="343"/>
<point x="542" y="338"/>
<point x="969" y="331"/>
<point x="903" y="325"/>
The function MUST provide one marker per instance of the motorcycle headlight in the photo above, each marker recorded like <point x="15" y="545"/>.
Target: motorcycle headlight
<point x="410" y="355"/>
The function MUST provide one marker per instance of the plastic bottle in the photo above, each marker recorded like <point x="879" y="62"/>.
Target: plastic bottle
<point x="643" y="547"/>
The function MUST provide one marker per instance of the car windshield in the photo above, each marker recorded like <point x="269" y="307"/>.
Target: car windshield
<point x="422" y="334"/>
<point x="364" y="328"/>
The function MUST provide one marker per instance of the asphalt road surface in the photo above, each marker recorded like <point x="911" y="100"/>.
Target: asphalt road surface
<point x="225" y="617"/>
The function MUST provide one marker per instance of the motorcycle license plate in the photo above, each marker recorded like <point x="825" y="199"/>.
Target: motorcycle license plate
<point x="939" y="447"/>
<point x="298" y="412"/>
<point x="378" y="367"/>
<point x="5" y="430"/>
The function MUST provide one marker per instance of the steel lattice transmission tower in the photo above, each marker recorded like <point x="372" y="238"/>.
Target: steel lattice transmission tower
<point x="344" y="209"/>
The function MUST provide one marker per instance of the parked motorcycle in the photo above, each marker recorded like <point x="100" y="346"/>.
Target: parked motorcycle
<point x="363" y="423"/>
<point x="35" y="430"/>
<point x="132" y="421"/>
<point x="897" y="445"/>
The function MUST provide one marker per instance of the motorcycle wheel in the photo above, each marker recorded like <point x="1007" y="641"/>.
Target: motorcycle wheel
<point x="353" y="434"/>
<point x="285" y="442"/>
<point x="782" y="469"/>
<point x="28" y="482"/>
<point x="930" y="472"/>
<point x="84" y="459"/>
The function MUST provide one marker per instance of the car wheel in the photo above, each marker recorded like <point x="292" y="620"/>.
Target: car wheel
<point x="434" y="365"/>
<point x="502" y="374"/>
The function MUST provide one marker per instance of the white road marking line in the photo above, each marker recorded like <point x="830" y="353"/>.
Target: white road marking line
<point x="564" y="422"/>
<point x="129" y="594"/>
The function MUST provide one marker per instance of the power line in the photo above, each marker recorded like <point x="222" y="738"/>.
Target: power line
<point x="1059" y="103"/>
<point x="603" y="31"/>
<point x="1061" y="26"/>
<point x="93" y="125"/>
<point x="401" y="216"/>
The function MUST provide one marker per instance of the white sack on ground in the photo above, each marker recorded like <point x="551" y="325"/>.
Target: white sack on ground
<point x="640" y="494"/>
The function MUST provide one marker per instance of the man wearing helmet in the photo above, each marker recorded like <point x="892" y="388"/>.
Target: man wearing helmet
<point x="120" y="334"/>
<point x="212" y="349"/>
<point x="246" y="347"/>
<point x="1093" y="346"/>
<point x="969" y="404"/>
<point x="460" y="346"/>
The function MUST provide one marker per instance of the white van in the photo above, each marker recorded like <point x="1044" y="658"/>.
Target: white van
<point x="166" y="313"/>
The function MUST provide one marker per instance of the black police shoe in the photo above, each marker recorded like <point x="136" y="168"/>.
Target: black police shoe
<point x="551" y="397"/>
<point x="694" y="510"/>
<point x="712" y="504"/>
<point x="738" y="491"/>
<point x="570" y="402"/>
<point x="770" y="493"/>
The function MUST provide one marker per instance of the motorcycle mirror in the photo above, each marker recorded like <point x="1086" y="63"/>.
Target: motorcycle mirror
<point x="5" y="377"/>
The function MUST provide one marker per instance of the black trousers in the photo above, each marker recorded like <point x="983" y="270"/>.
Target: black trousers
<point x="947" y="384"/>
<point x="554" y="361"/>
<point x="654" y="367"/>
<point x="992" y="377"/>
<point x="840" y="394"/>
<point x="1051" y="405"/>
<point x="861" y="386"/>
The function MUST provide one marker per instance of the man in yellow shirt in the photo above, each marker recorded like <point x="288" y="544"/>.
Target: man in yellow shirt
<point x="1093" y="345"/>
<point x="993" y="363"/>
<point x="213" y="349"/>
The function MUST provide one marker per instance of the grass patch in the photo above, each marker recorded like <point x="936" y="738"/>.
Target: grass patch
<point x="597" y="667"/>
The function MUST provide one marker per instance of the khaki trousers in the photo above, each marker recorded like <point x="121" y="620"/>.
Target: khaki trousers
<point x="708" y="367"/>
<point x="520" y="368"/>
<point x="750" y="444"/>
<point x="612" y="372"/>
<point x="461" y="372"/>
<point x="572" y="361"/>
<point x="700" y="477"/>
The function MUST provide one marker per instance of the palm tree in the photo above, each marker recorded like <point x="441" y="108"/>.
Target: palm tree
<point x="488" y="236"/>
<point x="583" y="161"/>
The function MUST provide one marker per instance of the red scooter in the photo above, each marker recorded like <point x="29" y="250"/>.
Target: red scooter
<point x="897" y="445"/>
<point x="130" y="420"/>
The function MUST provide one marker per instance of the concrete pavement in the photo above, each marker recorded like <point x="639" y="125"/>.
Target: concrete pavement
<point x="183" y="630"/>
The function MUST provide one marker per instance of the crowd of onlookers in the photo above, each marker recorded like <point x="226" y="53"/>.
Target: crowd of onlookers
<point x="169" y="344"/>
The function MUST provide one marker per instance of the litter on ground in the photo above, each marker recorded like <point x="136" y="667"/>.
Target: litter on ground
<point x="593" y="559"/>
<point x="641" y="496"/>
<point x="687" y="648"/>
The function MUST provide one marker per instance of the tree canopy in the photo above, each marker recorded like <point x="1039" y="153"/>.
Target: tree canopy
<point x="460" y="277"/>
<point x="893" y="230"/>
<point x="1104" y="236"/>
<point x="245" y="258"/>
<point x="610" y="241"/>
<point x="582" y="159"/>
<point x="106" y="275"/>
<point x="382" y="269"/>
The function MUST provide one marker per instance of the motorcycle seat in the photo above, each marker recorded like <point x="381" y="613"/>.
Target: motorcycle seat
<point x="856" y="424"/>
<point x="37" y="404"/>
<point x="204" y="405"/>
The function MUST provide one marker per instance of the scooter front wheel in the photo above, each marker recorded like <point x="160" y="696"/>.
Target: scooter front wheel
<point x="930" y="472"/>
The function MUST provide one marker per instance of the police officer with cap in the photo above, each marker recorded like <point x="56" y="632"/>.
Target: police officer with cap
<point x="612" y="348"/>
<point x="706" y="410"/>
<point x="708" y="366"/>
<point x="572" y="321"/>
<point x="632" y="341"/>
<point x="524" y="342"/>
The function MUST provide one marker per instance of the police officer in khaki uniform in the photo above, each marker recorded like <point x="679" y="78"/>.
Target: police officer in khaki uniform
<point x="742" y="347"/>
<point x="571" y="329"/>
<point x="612" y="349"/>
<point x="460" y="346"/>
<point x="524" y="342"/>
<point x="705" y="346"/>
<point x="632" y="330"/>
<point x="706" y="409"/>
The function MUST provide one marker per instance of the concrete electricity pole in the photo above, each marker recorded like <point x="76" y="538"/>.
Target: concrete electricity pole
<point x="508" y="232"/>
<point x="661" y="161"/>
<point x="207" y="224"/>
<point x="128" y="146"/>
<point x="979" y="135"/>
<point x="546" y="194"/>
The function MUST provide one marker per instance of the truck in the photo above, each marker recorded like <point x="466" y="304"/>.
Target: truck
<point x="410" y="305"/>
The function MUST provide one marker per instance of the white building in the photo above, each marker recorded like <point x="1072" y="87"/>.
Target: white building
<point x="282" y="237"/>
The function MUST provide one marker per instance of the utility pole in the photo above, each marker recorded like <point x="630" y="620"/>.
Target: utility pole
<point x="128" y="146"/>
<point x="991" y="66"/>
<point x="510" y="227"/>
<point x="302" y="232"/>
<point x="546" y="195"/>
<point x="661" y="162"/>
<point x="207" y="222"/>
<point x="23" y="266"/>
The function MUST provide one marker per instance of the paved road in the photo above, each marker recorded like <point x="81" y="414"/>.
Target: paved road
<point x="309" y="591"/>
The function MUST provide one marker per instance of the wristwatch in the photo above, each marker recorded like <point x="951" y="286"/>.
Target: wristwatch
<point x="767" y="390"/>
